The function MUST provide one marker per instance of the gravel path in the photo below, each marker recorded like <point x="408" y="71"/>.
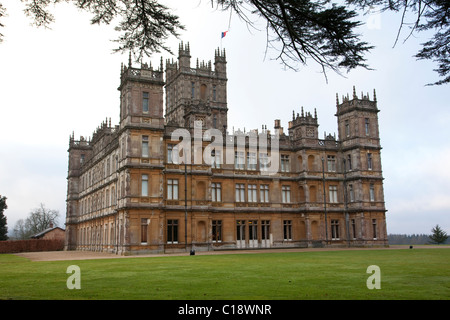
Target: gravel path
<point x="85" y="255"/>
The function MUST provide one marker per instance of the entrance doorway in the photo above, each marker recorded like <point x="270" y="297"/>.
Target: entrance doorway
<point x="265" y="233"/>
<point x="240" y="234"/>
<point x="253" y="233"/>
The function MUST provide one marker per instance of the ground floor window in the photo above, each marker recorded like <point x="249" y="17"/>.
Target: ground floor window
<point x="217" y="230"/>
<point x="172" y="231"/>
<point x="374" y="228"/>
<point x="144" y="230"/>
<point x="353" y="228"/>
<point x="265" y="229"/>
<point x="287" y="229"/>
<point x="335" y="229"/>
<point x="253" y="230"/>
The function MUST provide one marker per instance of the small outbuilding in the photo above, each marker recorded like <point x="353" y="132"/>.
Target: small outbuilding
<point x="52" y="233"/>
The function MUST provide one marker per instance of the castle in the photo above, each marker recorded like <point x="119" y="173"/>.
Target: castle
<point x="131" y="189"/>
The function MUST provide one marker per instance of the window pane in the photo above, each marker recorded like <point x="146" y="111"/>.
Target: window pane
<point x="144" y="185"/>
<point x="169" y="189"/>
<point x="145" y="102"/>
<point x="175" y="189"/>
<point x="144" y="148"/>
<point x="219" y="192"/>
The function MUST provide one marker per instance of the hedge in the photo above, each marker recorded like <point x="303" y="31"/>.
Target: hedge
<point x="32" y="245"/>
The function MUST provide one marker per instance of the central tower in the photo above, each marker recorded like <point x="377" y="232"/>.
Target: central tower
<point x="196" y="94"/>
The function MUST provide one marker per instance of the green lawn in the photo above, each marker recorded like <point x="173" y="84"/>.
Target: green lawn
<point x="405" y="274"/>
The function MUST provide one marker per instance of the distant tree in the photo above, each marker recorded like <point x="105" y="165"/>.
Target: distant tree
<point x="20" y="232"/>
<point x="438" y="235"/>
<point x="38" y="220"/>
<point x="3" y="227"/>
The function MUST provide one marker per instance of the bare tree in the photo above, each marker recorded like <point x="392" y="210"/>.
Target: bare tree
<point x="37" y="221"/>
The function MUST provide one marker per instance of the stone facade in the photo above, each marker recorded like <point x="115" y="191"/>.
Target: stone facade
<point x="128" y="194"/>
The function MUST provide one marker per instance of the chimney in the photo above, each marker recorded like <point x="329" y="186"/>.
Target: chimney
<point x="278" y="128"/>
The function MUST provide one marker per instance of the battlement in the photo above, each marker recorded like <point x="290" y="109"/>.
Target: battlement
<point x="145" y="73"/>
<point x="202" y="68"/>
<point x="363" y="103"/>
<point x="105" y="129"/>
<point x="303" y="119"/>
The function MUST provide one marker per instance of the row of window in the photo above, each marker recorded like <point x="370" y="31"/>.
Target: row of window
<point x="216" y="230"/>
<point x="97" y="201"/>
<point x="252" y="192"/>
<point x="253" y="230"/>
<point x="336" y="229"/>
<point x="249" y="160"/>
<point x="100" y="171"/>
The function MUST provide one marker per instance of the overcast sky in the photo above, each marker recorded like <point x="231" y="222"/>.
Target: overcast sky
<point x="53" y="82"/>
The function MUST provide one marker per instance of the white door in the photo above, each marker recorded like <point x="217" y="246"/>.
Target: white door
<point x="240" y="234"/>
<point x="253" y="234"/>
<point x="265" y="234"/>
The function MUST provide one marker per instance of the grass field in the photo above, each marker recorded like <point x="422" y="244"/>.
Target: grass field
<point x="405" y="274"/>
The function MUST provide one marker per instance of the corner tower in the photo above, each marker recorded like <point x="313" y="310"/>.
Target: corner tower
<point x="141" y="96"/>
<point x="361" y="154"/>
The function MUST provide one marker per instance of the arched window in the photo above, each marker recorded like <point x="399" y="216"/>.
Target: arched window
<point x="203" y="92"/>
<point x="311" y="163"/>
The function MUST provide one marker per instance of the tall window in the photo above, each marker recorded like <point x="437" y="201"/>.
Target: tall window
<point x="251" y="161"/>
<point x="349" y="162"/>
<point x="144" y="230"/>
<point x="172" y="154"/>
<point x="333" y="194"/>
<point x="172" y="189"/>
<point x="285" y="194"/>
<point x="203" y="92"/>
<point x="217" y="230"/>
<point x="287" y="230"/>
<point x="172" y="231"/>
<point x="251" y="189"/>
<point x="145" y="102"/>
<point x="284" y="163"/>
<point x="353" y="221"/>
<point x="335" y="229"/>
<point x="239" y="160"/>
<point x="351" y="193"/>
<point x="347" y="128"/>
<point x="144" y="187"/>
<point x="264" y="193"/>
<point x="374" y="228"/>
<point x="263" y="161"/>
<point x="107" y="197"/>
<point x="216" y="159"/>
<point x="192" y="90"/>
<point x="331" y="161"/>
<point x="371" y="192"/>
<point x="265" y="229"/>
<point x="145" y="147"/>
<point x="240" y="192"/>
<point x="366" y="126"/>
<point x="216" y="192"/>
<point x="369" y="161"/>
<point x="214" y="93"/>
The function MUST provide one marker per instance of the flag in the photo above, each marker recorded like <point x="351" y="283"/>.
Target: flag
<point x="224" y="33"/>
